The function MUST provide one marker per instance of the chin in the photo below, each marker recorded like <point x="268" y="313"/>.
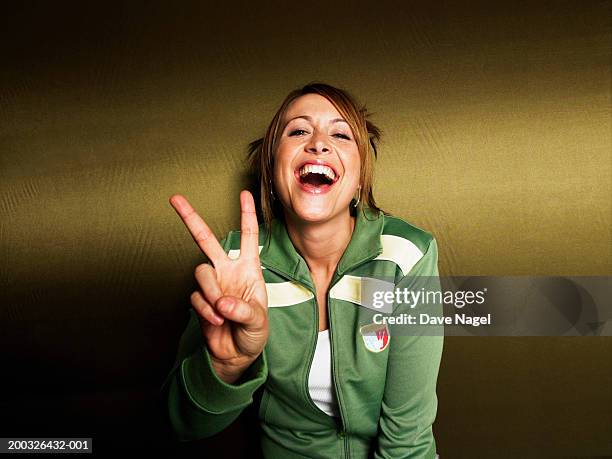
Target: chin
<point x="312" y="217"/>
<point x="314" y="213"/>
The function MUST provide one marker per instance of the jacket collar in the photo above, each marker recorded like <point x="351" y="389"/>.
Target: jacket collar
<point x="280" y="255"/>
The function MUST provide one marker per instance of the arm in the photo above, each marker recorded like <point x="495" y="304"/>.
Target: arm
<point x="199" y="403"/>
<point x="409" y="402"/>
<point x="229" y="322"/>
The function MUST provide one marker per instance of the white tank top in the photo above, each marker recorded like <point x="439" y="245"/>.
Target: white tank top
<point x="320" y="384"/>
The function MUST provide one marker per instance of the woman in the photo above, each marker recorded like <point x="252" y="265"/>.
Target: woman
<point x="280" y="308"/>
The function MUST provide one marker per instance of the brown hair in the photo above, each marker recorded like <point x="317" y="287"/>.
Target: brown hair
<point x="367" y="135"/>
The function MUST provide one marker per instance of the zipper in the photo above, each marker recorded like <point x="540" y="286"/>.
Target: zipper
<point x="342" y="433"/>
<point x="311" y="358"/>
<point x="312" y="347"/>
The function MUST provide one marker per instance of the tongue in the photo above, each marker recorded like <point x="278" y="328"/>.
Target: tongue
<point x="315" y="179"/>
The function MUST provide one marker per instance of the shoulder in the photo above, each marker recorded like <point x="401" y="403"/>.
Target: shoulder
<point x="405" y="244"/>
<point x="408" y="233"/>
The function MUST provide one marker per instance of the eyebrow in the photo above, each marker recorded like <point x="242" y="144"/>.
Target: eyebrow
<point x="309" y="118"/>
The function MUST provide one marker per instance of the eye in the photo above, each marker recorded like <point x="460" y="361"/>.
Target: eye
<point x="296" y="132"/>
<point x="343" y="136"/>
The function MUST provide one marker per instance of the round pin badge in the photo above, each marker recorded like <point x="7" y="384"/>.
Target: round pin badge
<point x="375" y="336"/>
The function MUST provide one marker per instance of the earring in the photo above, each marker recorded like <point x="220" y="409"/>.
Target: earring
<point x="358" y="196"/>
<point x="272" y="191"/>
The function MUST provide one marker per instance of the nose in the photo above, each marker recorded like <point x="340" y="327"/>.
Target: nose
<point x="318" y="144"/>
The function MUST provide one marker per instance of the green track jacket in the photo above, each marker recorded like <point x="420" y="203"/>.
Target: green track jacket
<point x="385" y="383"/>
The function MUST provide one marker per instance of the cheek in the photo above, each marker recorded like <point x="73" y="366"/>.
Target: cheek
<point x="282" y="166"/>
<point x="352" y="166"/>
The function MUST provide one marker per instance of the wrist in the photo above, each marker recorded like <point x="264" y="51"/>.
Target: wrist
<point x="230" y="372"/>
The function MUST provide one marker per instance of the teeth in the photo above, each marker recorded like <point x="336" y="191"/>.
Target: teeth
<point x="317" y="169"/>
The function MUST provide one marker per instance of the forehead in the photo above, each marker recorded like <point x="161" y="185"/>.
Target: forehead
<point x="312" y="105"/>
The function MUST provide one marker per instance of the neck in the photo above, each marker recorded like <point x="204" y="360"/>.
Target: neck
<point x="321" y="244"/>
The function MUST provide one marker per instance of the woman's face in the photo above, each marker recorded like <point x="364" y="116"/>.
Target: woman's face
<point x="316" y="164"/>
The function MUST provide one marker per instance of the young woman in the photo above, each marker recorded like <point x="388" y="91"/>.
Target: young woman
<point x="280" y="307"/>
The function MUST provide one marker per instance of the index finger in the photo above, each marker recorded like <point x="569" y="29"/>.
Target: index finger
<point x="249" y="229"/>
<point x="199" y="230"/>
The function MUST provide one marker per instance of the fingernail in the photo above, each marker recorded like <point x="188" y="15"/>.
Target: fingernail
<point x="225" y="305"/>
<point x="217" y="319"/>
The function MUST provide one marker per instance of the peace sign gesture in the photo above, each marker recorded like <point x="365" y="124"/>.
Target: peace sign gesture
<point x="232" y="302"/>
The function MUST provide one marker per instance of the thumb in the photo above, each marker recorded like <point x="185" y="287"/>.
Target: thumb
<point x="237" y="310"/>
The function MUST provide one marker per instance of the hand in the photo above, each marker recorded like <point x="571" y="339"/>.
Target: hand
<point x="232" y="302"/>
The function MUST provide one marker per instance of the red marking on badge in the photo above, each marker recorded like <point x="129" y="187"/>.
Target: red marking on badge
<point x="383" y="337"/>
<point x="375" y="336"/>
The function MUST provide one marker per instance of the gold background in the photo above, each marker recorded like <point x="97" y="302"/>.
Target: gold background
<point x="496" y="138"/>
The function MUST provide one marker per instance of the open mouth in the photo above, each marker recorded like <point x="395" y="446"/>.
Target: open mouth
<point x="316" y="178"/>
